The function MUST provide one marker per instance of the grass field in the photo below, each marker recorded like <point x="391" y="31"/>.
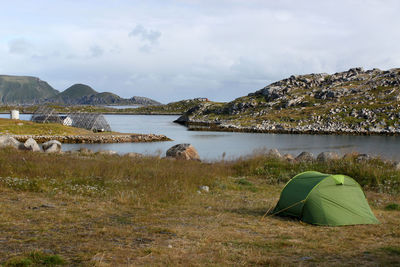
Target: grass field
<point x="98" y="210"/>
<point x="8" y="126"/>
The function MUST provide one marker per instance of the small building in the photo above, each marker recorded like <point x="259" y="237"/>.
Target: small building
<point x="14" y="114"/>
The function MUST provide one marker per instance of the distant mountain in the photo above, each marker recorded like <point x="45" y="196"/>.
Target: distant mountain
<point x="81" y="94"/>
<point x="32" y="90"/>
<point x="78" y="90"/>
<point x="24" y="90"/>
<point x="72" y="94"/>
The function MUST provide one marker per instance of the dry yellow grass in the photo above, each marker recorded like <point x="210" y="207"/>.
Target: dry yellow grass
<point x="148" y="212"/>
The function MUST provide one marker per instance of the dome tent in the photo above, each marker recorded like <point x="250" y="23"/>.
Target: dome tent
<point x="325" y="199"/>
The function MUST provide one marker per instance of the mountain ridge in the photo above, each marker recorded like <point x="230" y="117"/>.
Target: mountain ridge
<point x="31" y="90"/>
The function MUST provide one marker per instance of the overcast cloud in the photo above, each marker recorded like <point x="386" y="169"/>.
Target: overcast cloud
<point x="172" y="50"/>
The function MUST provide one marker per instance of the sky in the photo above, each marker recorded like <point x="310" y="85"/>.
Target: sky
<point x="171" y="50"/>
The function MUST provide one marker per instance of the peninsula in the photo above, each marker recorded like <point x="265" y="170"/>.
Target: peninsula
<point x="350" y="102"/>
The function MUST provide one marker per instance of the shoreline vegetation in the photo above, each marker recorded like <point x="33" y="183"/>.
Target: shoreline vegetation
<point x="109" y="210"/>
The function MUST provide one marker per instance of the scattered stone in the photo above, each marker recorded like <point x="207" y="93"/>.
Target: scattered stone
<point x="8" y="141"/>
<point x="84" y="150"/>
<point x="204" y="188"/>
<point x="48" y="206"/>
<point x="289" y="157"/>
<point x="305" y="156"/>
<point x="133" y="155"/>
<point x="350" y="156"/>
<point x="107" y="152"/>
<point x="30" y="145"/>
<point x="274" y="153"/>
<point x="397" y="166"/>
<point x="52" y="146"/>
<point x="48" y="251"/>
<point x="183" y="151"/>
<point x="363" y="158"/>
<point x="327" y="156"/>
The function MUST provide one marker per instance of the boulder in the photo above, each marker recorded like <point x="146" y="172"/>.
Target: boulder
<point x="30" y="145"/>
<point x="52" y="146"/>
<point x="183" y="151"/>
<point x="274" y="153"/>
<point x="305" y="156"/>
<point x="327" y="156"/>
<point x="289" y="157"/>
<point x="8" y="141"/>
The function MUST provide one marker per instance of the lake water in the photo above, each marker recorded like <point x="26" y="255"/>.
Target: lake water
<point x="211" y="145"/>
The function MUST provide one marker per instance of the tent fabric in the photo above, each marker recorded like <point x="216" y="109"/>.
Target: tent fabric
<point x="325" y="199"/>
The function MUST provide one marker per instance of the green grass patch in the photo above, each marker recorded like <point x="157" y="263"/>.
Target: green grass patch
<point x="8" y="126"/>
<point x="393" y="206"/>
<point x="35" y="258"/>
<point x="391" y="250"/>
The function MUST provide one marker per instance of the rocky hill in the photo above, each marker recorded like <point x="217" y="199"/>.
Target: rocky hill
<point x="354" y="101"/>
<point x="24" y="90"/>
<point x="81" y="94"/>
<point x="16" y="90"/>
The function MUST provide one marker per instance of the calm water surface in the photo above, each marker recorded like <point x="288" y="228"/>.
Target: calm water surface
<point x="211" y="145"/>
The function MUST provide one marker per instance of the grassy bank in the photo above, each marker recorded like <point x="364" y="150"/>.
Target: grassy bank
<point x="8" y="126"/>
<point x="110" y="210"/>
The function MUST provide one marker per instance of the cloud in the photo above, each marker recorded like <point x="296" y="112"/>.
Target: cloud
<point x="217" y="49"/>
<point x="95" y="51"/>
<point x="150" y="36"/>
<point x="19" y="46"/>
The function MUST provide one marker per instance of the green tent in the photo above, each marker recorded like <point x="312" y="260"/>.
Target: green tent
<point x="325" y="199"/>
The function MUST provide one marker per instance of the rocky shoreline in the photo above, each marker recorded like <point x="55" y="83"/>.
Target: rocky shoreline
<point x="281" y="129"/>
<point x="94" y="139"/>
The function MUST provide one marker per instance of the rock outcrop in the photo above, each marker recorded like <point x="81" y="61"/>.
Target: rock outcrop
<point x="183" y="151"/>
<point x="350" y="102"/>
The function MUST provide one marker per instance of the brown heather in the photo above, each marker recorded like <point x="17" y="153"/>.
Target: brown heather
<point x="98" y="210"/>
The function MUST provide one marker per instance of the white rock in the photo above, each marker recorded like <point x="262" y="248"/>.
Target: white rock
<point x="52" y="146"/>
<point x="8" y="141"/>
<point x="30" y="145"/>
<point x="107" y="152"/>
<point x="204" y="188"/>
